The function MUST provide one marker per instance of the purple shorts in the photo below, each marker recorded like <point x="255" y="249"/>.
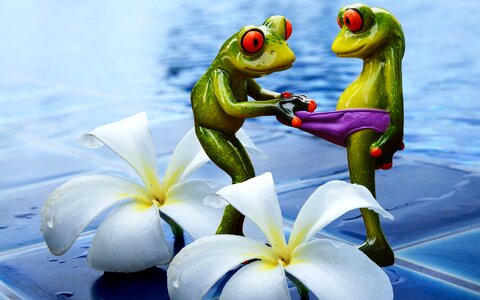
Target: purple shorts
<point x="336" y="126"/>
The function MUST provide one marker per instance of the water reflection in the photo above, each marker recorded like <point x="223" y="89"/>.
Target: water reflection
<point x="75" y="58"/>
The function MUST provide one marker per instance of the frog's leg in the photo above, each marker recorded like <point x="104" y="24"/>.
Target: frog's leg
<point x="228" y="153"/>
<point x="362" y="171"/>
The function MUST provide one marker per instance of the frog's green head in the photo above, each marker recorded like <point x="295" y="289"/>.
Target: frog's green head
<point x="366" y="31"/>
<point x="256" y="51"/>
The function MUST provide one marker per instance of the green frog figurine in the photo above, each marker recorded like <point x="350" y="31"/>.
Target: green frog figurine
<point x="375" y="36"/>
<point x="220" y="100"/>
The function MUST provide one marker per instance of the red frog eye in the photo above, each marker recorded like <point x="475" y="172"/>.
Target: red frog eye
<point x="353" y="20"/>
<point x="252" y="41"/>
<point x="339" y="23"/>
<point x="288" y="29"/>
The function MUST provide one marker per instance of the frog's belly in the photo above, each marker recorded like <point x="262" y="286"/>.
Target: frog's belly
<point x="364" y="94"/>
<point x="362" y="101"/>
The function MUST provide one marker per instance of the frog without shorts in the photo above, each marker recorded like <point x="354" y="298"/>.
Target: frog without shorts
<point x="220" y="100"/>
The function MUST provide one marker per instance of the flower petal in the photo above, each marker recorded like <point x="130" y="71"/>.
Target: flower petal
<point x="187" y="157"/>
<point x="257" y="280"/>
<point x="130" y="239"/>
<point x="247" y="142"/>
<point x="73" y="205"/>
<point x="327" y="203"/>
<point x="184" y="204"/>
<point x="198" y="266"/>
<point x="334" y="270"/>
<point x="131" y="139"/>
<point x="256" y="199"/>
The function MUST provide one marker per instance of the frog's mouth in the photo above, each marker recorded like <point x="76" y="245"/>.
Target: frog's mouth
<point x="350" y="52"/>
<point x="270" y="70"/>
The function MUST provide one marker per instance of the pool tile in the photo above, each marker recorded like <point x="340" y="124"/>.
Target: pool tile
<point x="456" y="255"/>
<point x="298" y="157"/>
<point x="278" y="146"/>
<point x="20" y="216"/>
<point x="412" y="285"/>
<point x="38" y="274"/>
<point x="41" y="275"/>
<point x="446" y="200"/>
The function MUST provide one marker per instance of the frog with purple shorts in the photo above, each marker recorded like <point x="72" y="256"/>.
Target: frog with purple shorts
<point x="376" y="37"/>
<point x="369" y="116"/>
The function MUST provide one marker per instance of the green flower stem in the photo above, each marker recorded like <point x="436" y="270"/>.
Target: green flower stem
<point x="301" y="288"/>
<point x="176" y="229"/>
<point x="232" y="222"/>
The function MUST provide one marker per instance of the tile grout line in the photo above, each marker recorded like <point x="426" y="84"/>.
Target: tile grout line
<point x="438" y="237"/>
<point x="438" y="275"/>
<point x="290" y="186"/>
<point x="8" y="293"/>
<point x="4" y="255"/>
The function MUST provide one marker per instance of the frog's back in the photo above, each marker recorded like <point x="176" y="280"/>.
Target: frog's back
<point x="207" y="112"/>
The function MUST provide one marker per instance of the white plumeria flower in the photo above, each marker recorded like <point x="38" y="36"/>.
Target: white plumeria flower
<point x="131" y="238"/>
<point x="330" y="269"/>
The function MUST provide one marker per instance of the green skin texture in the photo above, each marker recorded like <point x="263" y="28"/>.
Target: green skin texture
<point x="220" y="104"/>
<point x="380" y="44"/>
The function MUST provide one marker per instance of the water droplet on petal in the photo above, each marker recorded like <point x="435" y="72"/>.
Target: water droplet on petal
<point x="215" y="201"/>
<point x="63" y="295"/>
<point x="176" y="284"/>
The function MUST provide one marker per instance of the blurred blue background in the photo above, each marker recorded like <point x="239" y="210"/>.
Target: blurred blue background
<point x="67" y="67"/>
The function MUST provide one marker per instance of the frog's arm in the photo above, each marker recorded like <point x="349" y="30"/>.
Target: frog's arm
<point x="255" y="91"/>
<point x="246" y="109"/>
<point x="392" y="139"/>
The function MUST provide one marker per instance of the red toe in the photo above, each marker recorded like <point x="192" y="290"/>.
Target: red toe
<point x="312" y="106"/>
<point x="286" y="95"/>
<point x="296" y="122"/>
<point x="387" y="166"/>
<point x="376" y="152"/>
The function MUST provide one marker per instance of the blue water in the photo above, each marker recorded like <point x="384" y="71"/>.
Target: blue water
<point x="68" y="66"/>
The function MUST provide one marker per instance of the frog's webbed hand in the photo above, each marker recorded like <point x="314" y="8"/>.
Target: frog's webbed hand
<point x="293" y="104"/>
<point x="386" y="146"/>
<point x="300" y="102"/>
<point x="226" y="99"/>
<point x="392" y="140"/>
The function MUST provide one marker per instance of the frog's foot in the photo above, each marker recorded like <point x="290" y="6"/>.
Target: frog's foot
<point x="378" y="250"/>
